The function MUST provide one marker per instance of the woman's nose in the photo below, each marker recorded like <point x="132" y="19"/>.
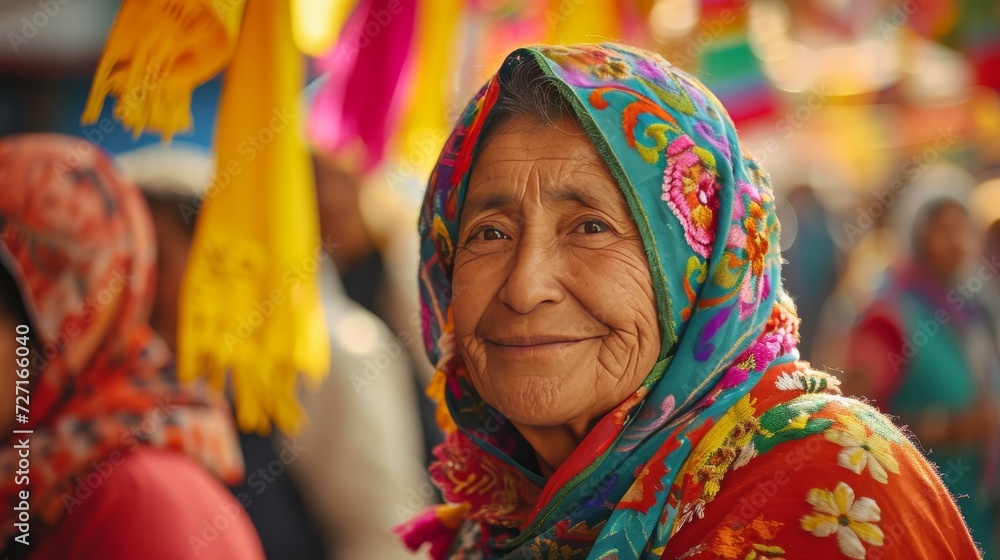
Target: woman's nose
<point x="533" y="277"/>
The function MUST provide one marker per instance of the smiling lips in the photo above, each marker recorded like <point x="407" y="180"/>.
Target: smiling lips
<point x="535" y="345"/>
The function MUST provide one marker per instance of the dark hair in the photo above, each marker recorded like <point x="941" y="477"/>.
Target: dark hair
<point x="172" y="205"/>
<point x="526" y="91"/>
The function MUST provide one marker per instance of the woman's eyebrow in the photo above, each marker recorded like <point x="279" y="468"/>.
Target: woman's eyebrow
<point x="577" y="194"/>
<point x="475" y="205"/>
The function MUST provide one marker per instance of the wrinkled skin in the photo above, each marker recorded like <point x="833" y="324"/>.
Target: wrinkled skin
<point x="555" y="312"/>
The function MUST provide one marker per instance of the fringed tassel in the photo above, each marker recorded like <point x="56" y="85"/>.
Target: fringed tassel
<point x="157" y="52"/>
<point x="437" y="525"/>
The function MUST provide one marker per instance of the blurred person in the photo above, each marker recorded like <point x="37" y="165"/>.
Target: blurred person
<point x="375" y="253"/>
<point x="925" y="350"/>
<point x="122" y="462"/>
<point x="812" y="271"/>
<point x="616" y="358"/>
<point x="173" y="180"/>
<point x="991" y="292"/>
<point x="360" y="420"/>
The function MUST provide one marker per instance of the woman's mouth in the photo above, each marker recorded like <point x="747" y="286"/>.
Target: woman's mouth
<point x="534" y="345"/>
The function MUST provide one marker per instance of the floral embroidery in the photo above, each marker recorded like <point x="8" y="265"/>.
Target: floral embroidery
<point x="497" y="495"/>
<point x="851" y="520"/>
<point x="689" y="188"/>
<point x="550" y="550"/>
<point x="743" y="455"/>
<point x="792" y="420"/>
<point x="789" y="382"/>
<point x="612" y="69"/>
<point x="579" y="64"/>
<point x="862" y="448"/>
<point x="739" y="541"/>
<point x="757" y="240"/>
<point x="759" y="551"/>
<point x="810" y="381"/>
<point x="709" y="463"/>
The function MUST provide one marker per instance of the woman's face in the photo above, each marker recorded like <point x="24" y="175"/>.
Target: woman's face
<point x="949" y="242"/>
<point x="555" y="313"/>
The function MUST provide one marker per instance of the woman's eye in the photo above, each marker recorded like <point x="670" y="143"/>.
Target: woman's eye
<point x="593" y="227"/>
<point x="492" y="234"/>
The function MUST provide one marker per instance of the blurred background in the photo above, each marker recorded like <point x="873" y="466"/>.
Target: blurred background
<point x="878" y="121"/>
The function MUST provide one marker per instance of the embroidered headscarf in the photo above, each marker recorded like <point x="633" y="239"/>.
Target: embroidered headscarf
<point x="705" y="211"/>
<point x="78" y="241"/>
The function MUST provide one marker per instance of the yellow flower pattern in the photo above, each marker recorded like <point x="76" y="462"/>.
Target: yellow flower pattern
<point x="862" y="447"/>
<point x="838" y="513"/>
<point x="765" y="552"/>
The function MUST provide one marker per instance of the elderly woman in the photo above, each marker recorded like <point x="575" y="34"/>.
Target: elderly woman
<point x="617" y="371"/>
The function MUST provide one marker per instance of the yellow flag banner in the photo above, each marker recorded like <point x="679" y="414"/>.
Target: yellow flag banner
<point x="575" y="21"/>
<point x="250" y="303"/>
<point x="317" y="23"/>
<point x="158" y="51"/>
<point x="427" y="122"/>
<point x="250" y="309"/>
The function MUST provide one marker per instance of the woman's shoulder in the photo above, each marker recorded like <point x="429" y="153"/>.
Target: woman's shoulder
<point x="153" y="503"/>
<point x="814" y="474"/>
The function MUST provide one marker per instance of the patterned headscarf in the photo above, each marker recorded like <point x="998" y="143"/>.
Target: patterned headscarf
<point x="78" y="240"/>
<point x="706" y="215"/>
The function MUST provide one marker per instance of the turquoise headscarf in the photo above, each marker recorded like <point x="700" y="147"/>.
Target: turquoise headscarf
<point x="706" y="215"/>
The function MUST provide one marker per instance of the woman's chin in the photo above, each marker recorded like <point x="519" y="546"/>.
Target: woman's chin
<point x="542" y="414"/>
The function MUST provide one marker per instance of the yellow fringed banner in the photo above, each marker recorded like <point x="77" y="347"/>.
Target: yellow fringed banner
<point x="158" y="51"/>
<point x="317" y="23"/>
<point x="425" y="125"/>
<point x="250" y="303"/>
<point x="250" y="309"/>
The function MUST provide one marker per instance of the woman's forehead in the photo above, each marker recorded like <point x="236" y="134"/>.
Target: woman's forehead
<point x="544" y="163"/>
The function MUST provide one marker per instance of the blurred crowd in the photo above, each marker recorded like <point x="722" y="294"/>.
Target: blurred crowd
<point x="908" y="316"/>
<point x="898" y="280"/>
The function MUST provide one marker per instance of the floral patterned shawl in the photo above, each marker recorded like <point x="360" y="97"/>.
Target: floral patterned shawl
<point x="712" y="402"/>
<point x="78" y="240"/>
